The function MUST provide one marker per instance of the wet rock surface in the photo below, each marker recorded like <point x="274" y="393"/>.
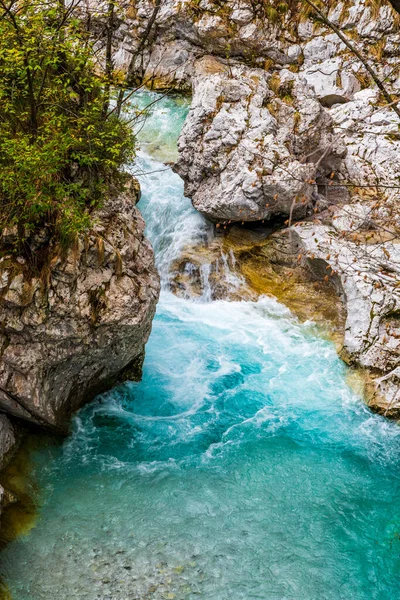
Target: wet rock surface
<point x="7" y="444"/>
<point x="348" y="287"/>
<point x="243" y="264"/>
<point x="74" y="329"/>
<point x="369" y="276"/>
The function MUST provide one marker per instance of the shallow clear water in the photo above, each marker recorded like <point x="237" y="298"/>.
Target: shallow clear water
<point x="241" y="467"/>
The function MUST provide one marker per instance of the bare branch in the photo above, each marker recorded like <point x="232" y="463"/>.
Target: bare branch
<point x="391" y="101"/>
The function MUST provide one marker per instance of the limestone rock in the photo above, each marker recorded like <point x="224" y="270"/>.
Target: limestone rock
<point x="371" y="136"/>
<point x="71" y="331"/>
<point x="237" y="30"/>
<point x="170" y="66"/>
<point x="368" y="275"/>
<point x="252" y="142"/>
<point x="332" y="81"/>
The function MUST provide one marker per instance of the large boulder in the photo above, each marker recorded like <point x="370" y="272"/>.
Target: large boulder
<point x="72" y="330"/>
<point x="253" y="143"/>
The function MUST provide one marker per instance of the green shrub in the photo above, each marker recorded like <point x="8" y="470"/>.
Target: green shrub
<point x="62" y="150"/>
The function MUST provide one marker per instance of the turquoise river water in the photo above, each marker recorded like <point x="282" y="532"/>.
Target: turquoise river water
<point x="241" y="467"/>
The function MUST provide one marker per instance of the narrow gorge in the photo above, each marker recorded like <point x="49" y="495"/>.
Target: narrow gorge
<point x="231" y="329"/>
<point x="241" y="456"/>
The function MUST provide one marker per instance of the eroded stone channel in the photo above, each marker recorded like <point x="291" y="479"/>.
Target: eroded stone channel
<point x="242" y="466"/>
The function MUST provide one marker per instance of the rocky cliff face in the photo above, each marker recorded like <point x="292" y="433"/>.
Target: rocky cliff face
<point x="369" y="280"/>
<point x="244" y="31"/>
<point x="286" y="123"/>
<point x="72" y="330"/>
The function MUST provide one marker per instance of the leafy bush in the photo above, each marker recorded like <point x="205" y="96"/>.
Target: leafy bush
<point x="62" y="148"/>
